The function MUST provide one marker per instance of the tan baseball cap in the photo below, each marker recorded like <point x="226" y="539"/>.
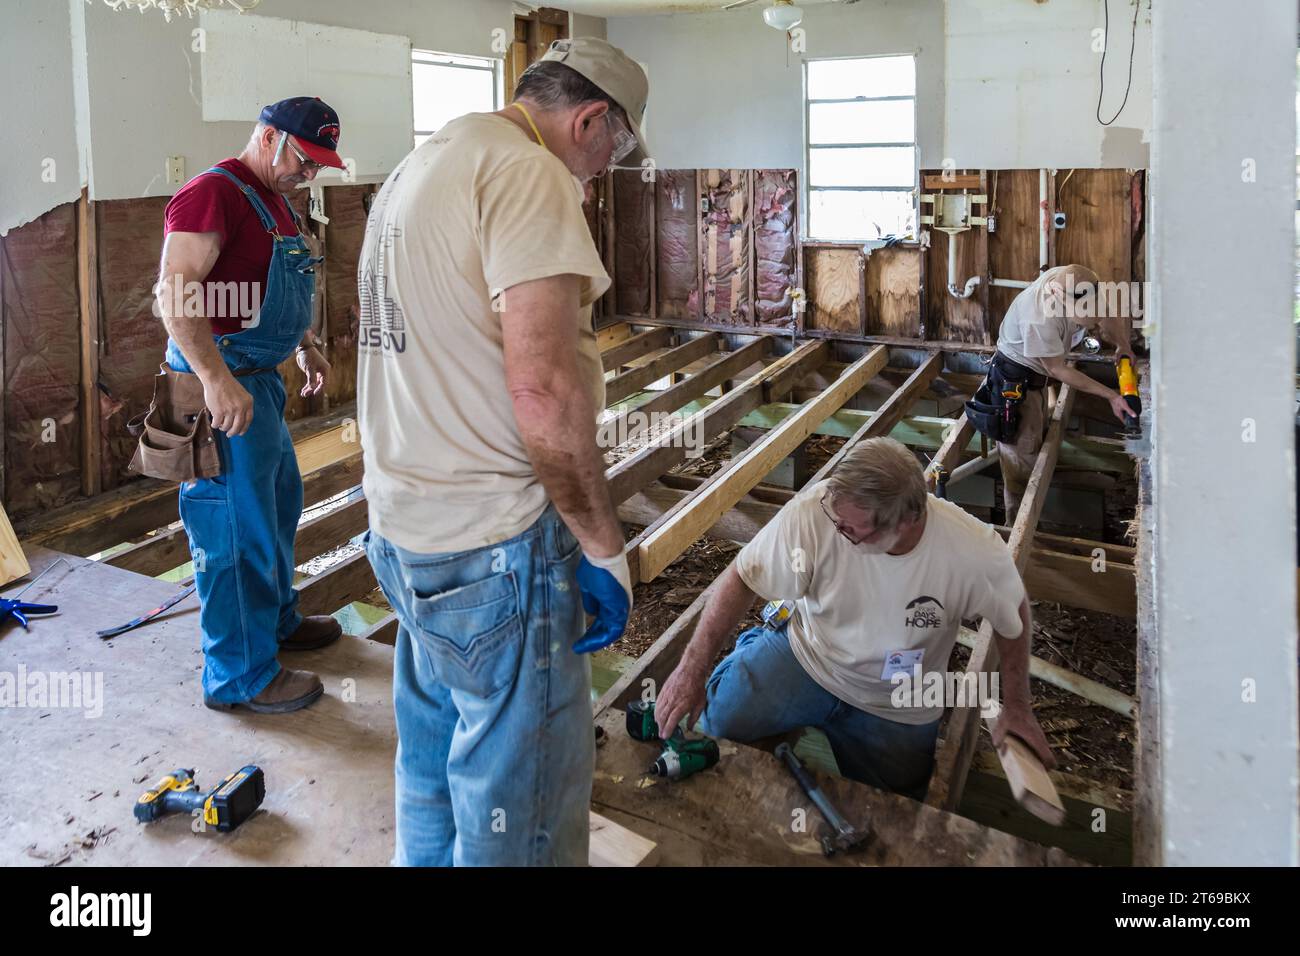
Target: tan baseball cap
<point x="617" y="74"/>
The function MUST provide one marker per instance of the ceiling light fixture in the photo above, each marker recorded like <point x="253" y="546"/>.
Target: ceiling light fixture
<point x="174" y="8"/>
<point x="783" y="15"/>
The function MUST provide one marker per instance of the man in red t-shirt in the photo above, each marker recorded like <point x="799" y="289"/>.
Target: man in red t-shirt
<point x="235" y="293"/>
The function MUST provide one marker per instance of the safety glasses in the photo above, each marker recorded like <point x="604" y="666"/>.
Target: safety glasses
<point x="624" y="139"/>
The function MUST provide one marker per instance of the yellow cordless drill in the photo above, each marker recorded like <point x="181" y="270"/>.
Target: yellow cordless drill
<point x="225" y="806"/>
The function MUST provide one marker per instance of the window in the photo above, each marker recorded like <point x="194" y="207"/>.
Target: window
<point x="446" y="86"/>
<point x="860" y="165"/>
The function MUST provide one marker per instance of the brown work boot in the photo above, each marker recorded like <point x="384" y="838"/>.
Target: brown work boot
<point x="313" y="632"/>
<point x="288" y="691"/>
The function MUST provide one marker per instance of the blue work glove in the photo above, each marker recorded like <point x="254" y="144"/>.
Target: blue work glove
<point x="606" y="586"/>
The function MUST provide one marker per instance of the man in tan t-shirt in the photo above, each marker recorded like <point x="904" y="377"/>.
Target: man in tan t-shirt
<point x="491" y="526"/>
<point x="882" y="575"/>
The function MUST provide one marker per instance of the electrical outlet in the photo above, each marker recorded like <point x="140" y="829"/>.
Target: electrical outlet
<point x="176" y="170"/>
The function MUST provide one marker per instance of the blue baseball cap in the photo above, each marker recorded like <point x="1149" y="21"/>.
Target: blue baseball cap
<point x="311" y="122"/>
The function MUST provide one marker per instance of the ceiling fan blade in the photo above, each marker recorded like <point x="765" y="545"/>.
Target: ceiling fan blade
<point x="737" y="4"/>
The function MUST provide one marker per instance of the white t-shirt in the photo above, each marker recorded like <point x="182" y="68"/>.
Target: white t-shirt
<point x="478" y="208"/>
<point x="854" y="610"/>
<point x="1028" y="336"/>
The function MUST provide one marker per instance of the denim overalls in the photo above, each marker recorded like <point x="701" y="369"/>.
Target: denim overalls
<point x="241" y="524"/>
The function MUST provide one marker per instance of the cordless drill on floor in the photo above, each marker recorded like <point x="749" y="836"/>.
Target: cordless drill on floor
<point x="681" y="757"/>
<point x="225" y="806"/>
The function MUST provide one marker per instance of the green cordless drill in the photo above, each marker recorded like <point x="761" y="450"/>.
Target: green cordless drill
<point x="681" y="757"/>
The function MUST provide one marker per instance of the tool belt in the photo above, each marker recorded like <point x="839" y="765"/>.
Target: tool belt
<point x="994" y="409"/>
<point x="176" y="439"/>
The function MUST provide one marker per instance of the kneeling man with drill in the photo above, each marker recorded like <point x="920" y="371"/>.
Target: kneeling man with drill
<point x="881" y="575"/>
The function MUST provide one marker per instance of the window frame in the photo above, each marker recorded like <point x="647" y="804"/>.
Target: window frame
<point x="808" y="146"/>
<point x="492" y="65"/>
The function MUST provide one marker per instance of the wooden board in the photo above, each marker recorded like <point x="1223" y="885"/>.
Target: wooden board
<point x="13" y="563"/>
<point x="664" y="545"/>
<point x="1013" y="245"/>
<point x="615" y="845"/>
<point x="1097" y="207"/>
<point x="748" y="809"/>
<point x="834" y="277"/>
<point x="947" y="317"/>
<point x="893" y="284"/>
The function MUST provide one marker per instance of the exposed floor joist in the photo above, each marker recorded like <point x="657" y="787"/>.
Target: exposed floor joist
<point x="957" y="748"/>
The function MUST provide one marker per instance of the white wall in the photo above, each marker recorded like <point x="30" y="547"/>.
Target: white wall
<point x="724" y="92"/>
<point x="585" y="26"/>
<point x="1000" y="83"/>
<point x="1022" y="84"/>
<point x="145" y="80"/>
<point x="38" y="113"/>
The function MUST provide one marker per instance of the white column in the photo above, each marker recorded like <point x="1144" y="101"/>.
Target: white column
<point x="1221" y="256"/>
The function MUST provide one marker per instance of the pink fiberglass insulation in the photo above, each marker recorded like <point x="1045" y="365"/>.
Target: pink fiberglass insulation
<point x="775" y="230"/>
<point x="677" y="249"/>
<point x="724" y="227"/>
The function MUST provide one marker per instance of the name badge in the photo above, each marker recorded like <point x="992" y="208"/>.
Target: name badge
<point x="902" y="662"/>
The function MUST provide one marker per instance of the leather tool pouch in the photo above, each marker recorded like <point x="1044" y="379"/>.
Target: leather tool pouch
<point x="176" y="439"/>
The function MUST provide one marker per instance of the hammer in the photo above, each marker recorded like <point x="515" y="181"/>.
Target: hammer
<point x="844" y="838"/>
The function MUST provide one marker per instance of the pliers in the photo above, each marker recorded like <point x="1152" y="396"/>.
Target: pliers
<point x="20" y="609"/>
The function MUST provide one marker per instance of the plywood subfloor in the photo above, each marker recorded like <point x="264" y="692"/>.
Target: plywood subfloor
<point x="748" y="810"/>
<point x="71" y="781"/>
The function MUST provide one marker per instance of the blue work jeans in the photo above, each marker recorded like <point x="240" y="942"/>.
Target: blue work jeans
<point x="241" y="527"/>
<point x="495" y="742"/>
<point x="760" y="689"/>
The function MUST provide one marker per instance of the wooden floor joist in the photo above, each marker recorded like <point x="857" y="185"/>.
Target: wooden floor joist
<point x="140" y="507"/>
<point x="957" y="748"/>
<point x="634" y="380"/>
<point x="631" y="421"/>
<point x="663" y="545"/>
<point x="170" y="549"/>
<point x="673" y="447"/>
<point x="634" y="347"/>
<point x="890" y="413"/>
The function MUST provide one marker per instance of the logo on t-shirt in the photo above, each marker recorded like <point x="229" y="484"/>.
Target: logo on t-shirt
<point x="924" y="611"/>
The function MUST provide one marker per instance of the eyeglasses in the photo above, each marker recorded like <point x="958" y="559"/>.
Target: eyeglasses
<point x="308" y="165"/>
<point x="624" y="139"/>
<point x="840" y="526"/>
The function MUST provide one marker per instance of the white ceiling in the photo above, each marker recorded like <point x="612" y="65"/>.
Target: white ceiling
<point x="635" y="8"/>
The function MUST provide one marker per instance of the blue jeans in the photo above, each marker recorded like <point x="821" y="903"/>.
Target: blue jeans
<point x="760" y="689"/>
<point x="241" y="527"/>
<point x="495" y="742"/>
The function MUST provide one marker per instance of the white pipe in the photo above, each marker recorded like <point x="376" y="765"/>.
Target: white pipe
<point x="1010" y="283"/>
<point x="1044" y="222"/>
<point x="971" y="283"/>
<point x="1085" y="687"/>
<point x="974" y="466"/>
